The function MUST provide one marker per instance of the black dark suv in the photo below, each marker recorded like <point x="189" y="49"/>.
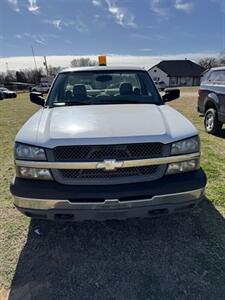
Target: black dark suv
<point x="211" y="100"/>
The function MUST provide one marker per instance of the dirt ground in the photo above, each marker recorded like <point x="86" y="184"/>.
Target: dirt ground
<point x="175" y="257"/>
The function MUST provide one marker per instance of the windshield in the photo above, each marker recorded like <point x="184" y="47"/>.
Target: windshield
<point x="103" y="87"/>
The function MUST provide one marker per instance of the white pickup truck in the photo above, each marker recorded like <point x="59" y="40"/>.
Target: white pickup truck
<point x="42" y="87"/>
<point x="105" y="146"/>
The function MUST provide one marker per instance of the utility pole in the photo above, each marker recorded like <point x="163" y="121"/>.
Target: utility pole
<point x="35" y="63"/>
<point x="7" y="67"/>
<point x="46" y="65"/>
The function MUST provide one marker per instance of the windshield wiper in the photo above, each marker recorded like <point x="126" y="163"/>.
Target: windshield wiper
<point x="70" y="103"/>
<point x="129" y="101"/>
<point x="95" y="102"/>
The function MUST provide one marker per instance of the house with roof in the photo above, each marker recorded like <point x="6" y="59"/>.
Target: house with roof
<point x="177" y="72"/>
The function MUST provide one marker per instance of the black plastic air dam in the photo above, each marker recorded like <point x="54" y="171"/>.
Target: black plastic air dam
<point x="170" y="184"/>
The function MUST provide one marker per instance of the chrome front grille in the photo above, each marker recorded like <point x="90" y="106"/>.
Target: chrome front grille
<point x="99" y="153"/>
<point x="138" y="171"/>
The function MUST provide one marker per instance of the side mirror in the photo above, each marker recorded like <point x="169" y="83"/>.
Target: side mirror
<point x="37" y="98"/>
<point x="171" y="94"/>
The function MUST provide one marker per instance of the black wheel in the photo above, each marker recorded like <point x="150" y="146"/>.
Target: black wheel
<point x="211" y="122"/>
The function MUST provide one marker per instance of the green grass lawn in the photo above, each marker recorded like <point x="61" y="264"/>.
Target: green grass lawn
<point x="212" y="147"/>
<point x="14" y="226"/>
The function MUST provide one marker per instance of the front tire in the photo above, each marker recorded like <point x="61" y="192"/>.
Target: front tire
<point x="211" y="122"/>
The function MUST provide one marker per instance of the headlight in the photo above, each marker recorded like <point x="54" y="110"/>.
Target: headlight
<point x="182" y="167"/>
<point x="33" y="173"/>
<point x="190" y="145"/>
<point x="29" y="152"/>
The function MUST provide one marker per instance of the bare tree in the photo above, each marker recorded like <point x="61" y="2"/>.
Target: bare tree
<point x="32" y="75"/>
<point x="221" y="59"/>
<point x="10" y="76"/>
<point x="83" y="62"/>
<point x="25" y="76"/>
<point x="53" y="71"/>
<point x="209" y="62"/>
<point x="20" y="76"/>
<point x="2" y="78"/>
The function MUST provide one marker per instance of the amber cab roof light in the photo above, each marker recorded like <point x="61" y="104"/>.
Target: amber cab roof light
<point x="102" y="60"/>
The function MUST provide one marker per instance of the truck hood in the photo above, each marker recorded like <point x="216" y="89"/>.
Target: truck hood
<point x="105" y="124"/>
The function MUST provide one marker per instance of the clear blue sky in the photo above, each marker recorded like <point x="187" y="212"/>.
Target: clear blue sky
<point x="136" y="27"/>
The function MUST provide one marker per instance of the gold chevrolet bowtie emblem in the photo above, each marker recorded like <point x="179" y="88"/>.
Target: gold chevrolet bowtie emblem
<point x="110" y="165"/>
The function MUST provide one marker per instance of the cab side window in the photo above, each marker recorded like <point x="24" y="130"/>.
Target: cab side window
<point x="213" y="76"/>
<point x="217" y="77"/>
<point x="221" y="79"/>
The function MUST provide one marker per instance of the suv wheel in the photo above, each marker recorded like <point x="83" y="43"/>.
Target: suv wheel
<point x="211" y="122"/>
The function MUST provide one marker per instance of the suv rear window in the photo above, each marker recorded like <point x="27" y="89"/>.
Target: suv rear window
<point x="102" y="87"/>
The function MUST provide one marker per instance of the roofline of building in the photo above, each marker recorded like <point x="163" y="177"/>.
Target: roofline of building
<point x="175" y="60"/>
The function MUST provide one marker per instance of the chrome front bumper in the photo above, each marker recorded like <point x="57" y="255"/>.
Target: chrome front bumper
<point x="110" y="208"/>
